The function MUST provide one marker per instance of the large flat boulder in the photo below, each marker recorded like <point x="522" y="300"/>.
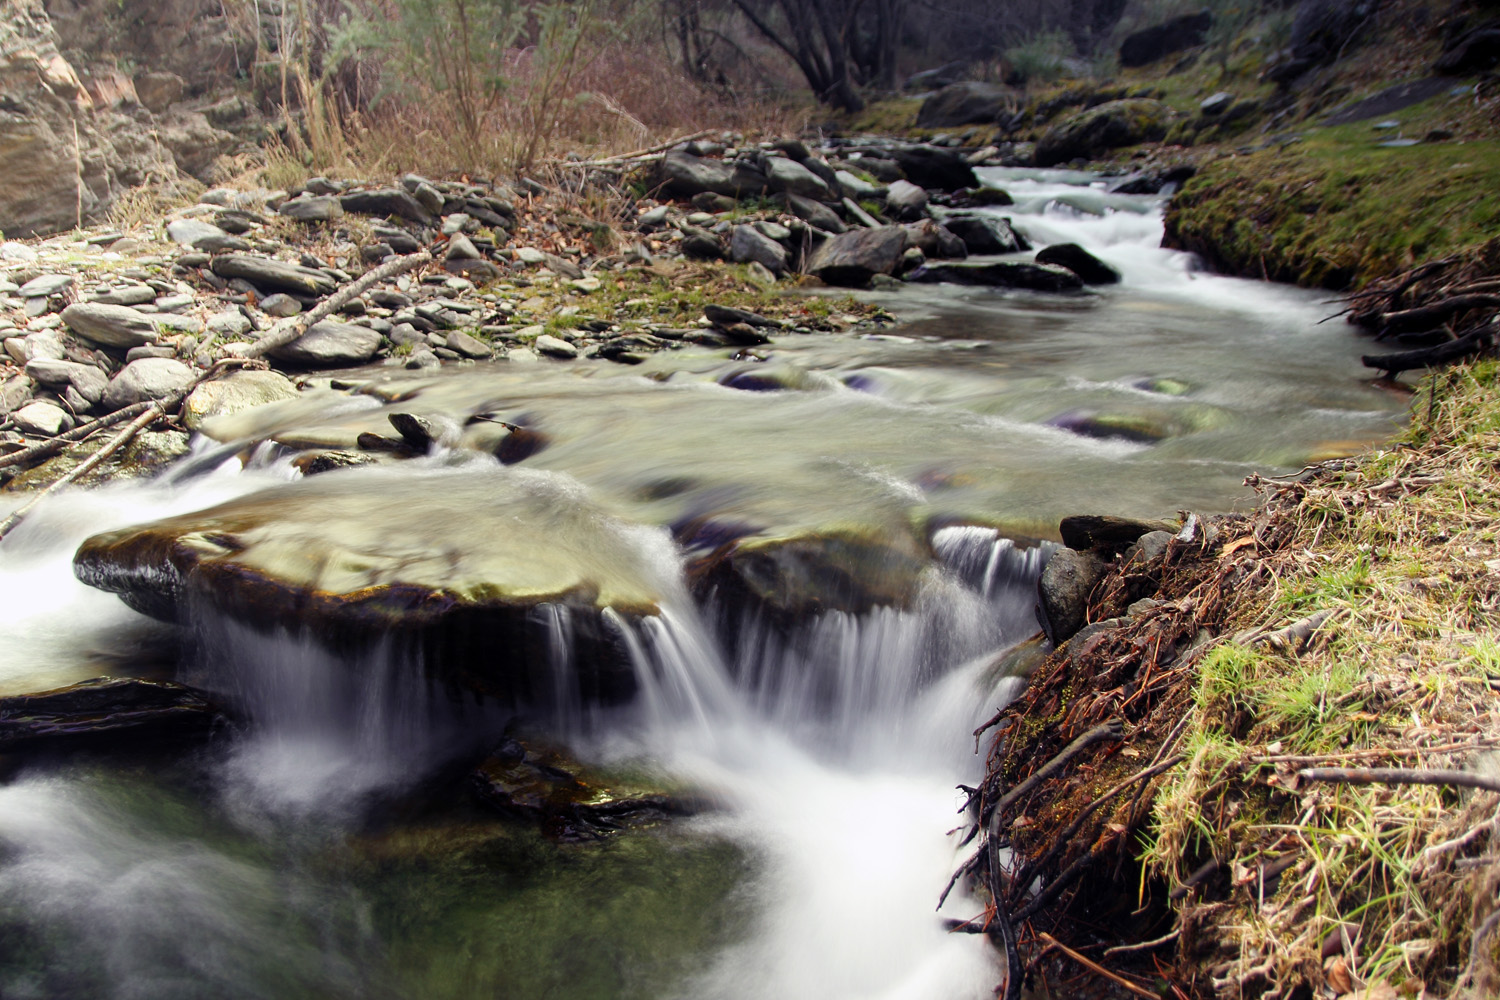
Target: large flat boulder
<point x="971" y="102"/>
<point x="330" y="345"/>
<point x="1108" y="126"/>
<point x="478" y="574"/>
<point x="851" y="259"/>
<point x="110" y="326"/>
<point x="266" y="272"/>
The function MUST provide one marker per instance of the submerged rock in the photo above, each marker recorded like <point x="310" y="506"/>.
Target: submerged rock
<point x="1075" y="258"/>
<point x="570" y="802"/>
<point x="1000" y="274"/>
<point x="115" y="709"/>
<point x="235" y="393"/>
<point x="468" y="582"/>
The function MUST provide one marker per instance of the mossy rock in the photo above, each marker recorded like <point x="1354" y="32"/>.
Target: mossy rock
<point x="1108" y="126"/>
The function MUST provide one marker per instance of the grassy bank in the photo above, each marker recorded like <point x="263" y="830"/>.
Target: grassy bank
<point x="1349" y="622"/>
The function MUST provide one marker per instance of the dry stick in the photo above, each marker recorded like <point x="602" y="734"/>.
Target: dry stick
<point x="78" y="433"/>
<point x="1030" y="870"/>
<point x="1399" y="776"/>
<point x="289" y="330"/>
<point x="1100" y="733"/>
<point x="660" y="147"/>
<point x="1126" y="949"/>
<point x="153" y="411"/>
<point x="1480" y="744"/>
<point x="1437" y="312"/>
<point x="1093" y="966"/>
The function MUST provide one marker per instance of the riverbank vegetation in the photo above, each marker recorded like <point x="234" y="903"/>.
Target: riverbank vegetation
<point x="1287" y="736"/>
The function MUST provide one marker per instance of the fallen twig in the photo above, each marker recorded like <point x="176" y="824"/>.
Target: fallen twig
<point x="618" y="159"/>
<point x="289" y="330"/>
<point x="1399" y="776"/>
<point x="1427" y="357"/>
<point x="56" y="444"/>
<point x="1126" y="949"/>
<point x="1095" y="967"/>
<point x="1107" y="731"/>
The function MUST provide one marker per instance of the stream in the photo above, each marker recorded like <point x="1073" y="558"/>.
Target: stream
<point x="329" y="846"/>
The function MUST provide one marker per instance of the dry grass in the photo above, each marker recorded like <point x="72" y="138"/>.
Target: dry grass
<point x="1272" y="885"/>
<point x="1401" y="548"/>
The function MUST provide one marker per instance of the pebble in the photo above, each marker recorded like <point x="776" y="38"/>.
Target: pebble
<point x="280" y="305"/>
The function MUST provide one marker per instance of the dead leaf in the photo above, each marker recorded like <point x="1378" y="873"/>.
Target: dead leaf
<point x="1336" y="971"/>
<point x="1239" y="543"/>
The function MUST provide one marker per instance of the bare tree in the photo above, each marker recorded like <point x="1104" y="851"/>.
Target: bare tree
<point x="835" y="43"/>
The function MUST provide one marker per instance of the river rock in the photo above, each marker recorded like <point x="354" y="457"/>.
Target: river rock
<point x="555" y="347"/>
<point x="684" y="175"/>
<point x="126" y="295"/>
<point x="1075" y="258"/>
<point x="935" y="242"/>
<point x="330" y="345"/>
<point x="110" y="326"/>
<point x="467" y="345"/>
<point x="45" y="285"/>
<point x="15" y="392"/>
<point x="109" y="708"/>
<point x="234" y="393"/>
<point x="935" y="167"/>
<point x="1161" y="40"/>
<point x="277" y="274"/>
<point x="463" y="585"/>
<point x="699" y="244"/>
<point x="87" y="380"/>
<point x="1063" y="592"/>
<point x="569" y="801"/>
<point x="793" y="577"/>
<point x="747" y="244"/>
<point x="984" y="233"/>
<point x="320" y="208"/>
<point x="146" y="379"/>
<point x="787" y="176"/>
<point x="188" y="232"/>
<point x="280" y="305"/>
<point x="42" y="417"/>
<point x="1107" y="532"/>
<point x="968" y="103"/>
<point x="858" y="188"/>
<point x="851" y="259"/>
<point x="1108" y="126"/>
<point x="386" y="202"/>
<point x="1000" y="274"/>
<point x="905" y="201"/>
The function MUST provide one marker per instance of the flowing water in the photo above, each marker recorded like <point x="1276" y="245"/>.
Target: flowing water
<point x="329" y="848"/>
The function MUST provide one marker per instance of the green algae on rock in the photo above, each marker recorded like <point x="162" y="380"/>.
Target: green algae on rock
<point x="466" y="577"/>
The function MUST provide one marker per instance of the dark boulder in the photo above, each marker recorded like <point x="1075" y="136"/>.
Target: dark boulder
<point x="1075" y="258"/>
<point x="985" y="234"/>
<point x="1108" y="126"/>
<point x="1150" y="44"/>
<point x="683" y="175"/>
<point x="1000" y="274"/>
<point x="935" y="167"/>
<point x="1063" y="592"/>
<point x="967" y="103"/>
<point x="387" y="202"/>
<point x="1107" y="532"/>
<point x="1474" y="52"/>
<point x="852" y="258"/>
<point x="109" y="708"/>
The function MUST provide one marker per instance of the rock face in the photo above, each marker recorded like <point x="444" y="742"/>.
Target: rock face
<point x="1108" y="126"/>
<point x="1075" y="258"/>
<point x="967" y="103"/>
<point x="852" y="258"/>
<point x="113" y="709"/>
<point x="330" y="345"/>
<point x="48" y="181"/>
<point x="1161" y="40"/>
<point x="1000" y="274"/>
<point x="464" y="583"/>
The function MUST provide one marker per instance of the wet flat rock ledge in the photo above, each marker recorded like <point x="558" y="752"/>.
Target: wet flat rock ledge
<point x="96" y="711"/>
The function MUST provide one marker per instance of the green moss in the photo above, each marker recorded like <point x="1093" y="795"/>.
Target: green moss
<point x="1336" y="209"/>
